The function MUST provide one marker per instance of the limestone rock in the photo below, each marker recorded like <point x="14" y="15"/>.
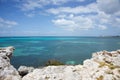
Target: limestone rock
<point x="7" y="51"/>
<point x="103" y="65"/>
<point x="53" y="73"/>
<point x="23" y="70"/>
<point x="7" y="71"/>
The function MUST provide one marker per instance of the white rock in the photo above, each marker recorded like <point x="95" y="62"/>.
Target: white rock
<point x="90" y="70"/>
<point x="102" y="66"/>
<point x="23" y="70"/>
<point x="90" y="64"/>
<point x="7" y="71"/>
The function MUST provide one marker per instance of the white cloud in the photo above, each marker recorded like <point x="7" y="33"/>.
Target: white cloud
<point x="102" y="27"/>
<point x="81" y="0"/>
<point x="109" y="6"/>
<point x="7" y="23"/>
<point x="31" y="14"/>
<point x="33" y="4"/>
<point x="30" y="5"/>
<point x="102" y="15"/>
<point x="108" y="20"/>
<point x="73" y="23"/>
<point x="118" y="20"/>
<point x="75" y="17"/>
<point x="58" y="2"/>
<point x="117" y="13"/>
<point x="91" y="8"/>
<point x="61" y="16"/>
<point x="66" y="24"/>
<point x="103" y="18"/>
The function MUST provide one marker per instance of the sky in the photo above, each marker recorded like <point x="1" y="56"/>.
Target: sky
<point x="59" y="17"/>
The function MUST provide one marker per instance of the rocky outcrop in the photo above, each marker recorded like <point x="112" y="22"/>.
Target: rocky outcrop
<point x="23" y="70"/>
<point x="102" y="66"/>
<point x="7" y="71"/>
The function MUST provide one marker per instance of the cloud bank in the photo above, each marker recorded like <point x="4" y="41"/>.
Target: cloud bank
<point x="101" y="14"/>
<point x="7" y="23"/>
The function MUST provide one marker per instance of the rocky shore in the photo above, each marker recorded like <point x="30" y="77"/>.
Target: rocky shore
<point x="103" y="65"/>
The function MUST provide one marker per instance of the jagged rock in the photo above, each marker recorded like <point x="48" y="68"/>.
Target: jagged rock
<point x="7" y="51"/>
<point x="108" y="57"/>
<point x="102" y="66"/>
<point x="7" y="71"/>
<point x="53" y="73"/>
<point x="90" y="62"/>
<point x="23" y="70"/>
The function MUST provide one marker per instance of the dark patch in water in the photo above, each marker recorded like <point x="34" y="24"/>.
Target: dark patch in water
<point x="30" y="60"/>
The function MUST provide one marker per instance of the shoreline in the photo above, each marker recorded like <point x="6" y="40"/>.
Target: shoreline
<point x="103" y="65"/>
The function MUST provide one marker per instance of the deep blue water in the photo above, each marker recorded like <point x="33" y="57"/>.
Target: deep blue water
<point x="36" y="51"/>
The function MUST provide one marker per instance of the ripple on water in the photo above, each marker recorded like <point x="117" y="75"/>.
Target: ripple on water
<point x="119" y="43"/>
<point x="82" y="42"/>
<point x="29" y="51"/>
<point x="70" y="62"/>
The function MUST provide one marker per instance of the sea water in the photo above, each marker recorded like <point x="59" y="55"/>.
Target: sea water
<point x="36" y="51"/>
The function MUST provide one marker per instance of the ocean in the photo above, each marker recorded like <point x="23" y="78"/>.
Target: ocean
<point x="36" y="51"/>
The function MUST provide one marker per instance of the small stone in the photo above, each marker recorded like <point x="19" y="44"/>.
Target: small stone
<point x="23" y="70"/>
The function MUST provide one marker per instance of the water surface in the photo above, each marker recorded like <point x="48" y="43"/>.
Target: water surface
<point x="36" y="51"/>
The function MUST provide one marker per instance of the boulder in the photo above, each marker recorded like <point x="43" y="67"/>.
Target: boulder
<point x="23" y="70"/>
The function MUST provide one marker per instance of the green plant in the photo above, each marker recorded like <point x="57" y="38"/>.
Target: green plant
<point x="53" y="62"/>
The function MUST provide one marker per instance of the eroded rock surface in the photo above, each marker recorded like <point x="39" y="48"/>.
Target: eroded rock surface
<point x="23" y="70"/>
<point x="102" y="66"/>
<point x="7" y="71"/>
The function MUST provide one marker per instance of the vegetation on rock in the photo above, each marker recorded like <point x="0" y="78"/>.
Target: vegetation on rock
<point x="54" y="62"/>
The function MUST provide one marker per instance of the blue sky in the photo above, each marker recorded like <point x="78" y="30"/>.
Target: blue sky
<point x="59" y="17"/>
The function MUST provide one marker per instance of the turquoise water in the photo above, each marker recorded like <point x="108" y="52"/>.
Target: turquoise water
<point x="36" y="51"/>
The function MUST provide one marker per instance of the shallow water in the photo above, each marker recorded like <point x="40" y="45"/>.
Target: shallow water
<point x="36" y="51"/>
